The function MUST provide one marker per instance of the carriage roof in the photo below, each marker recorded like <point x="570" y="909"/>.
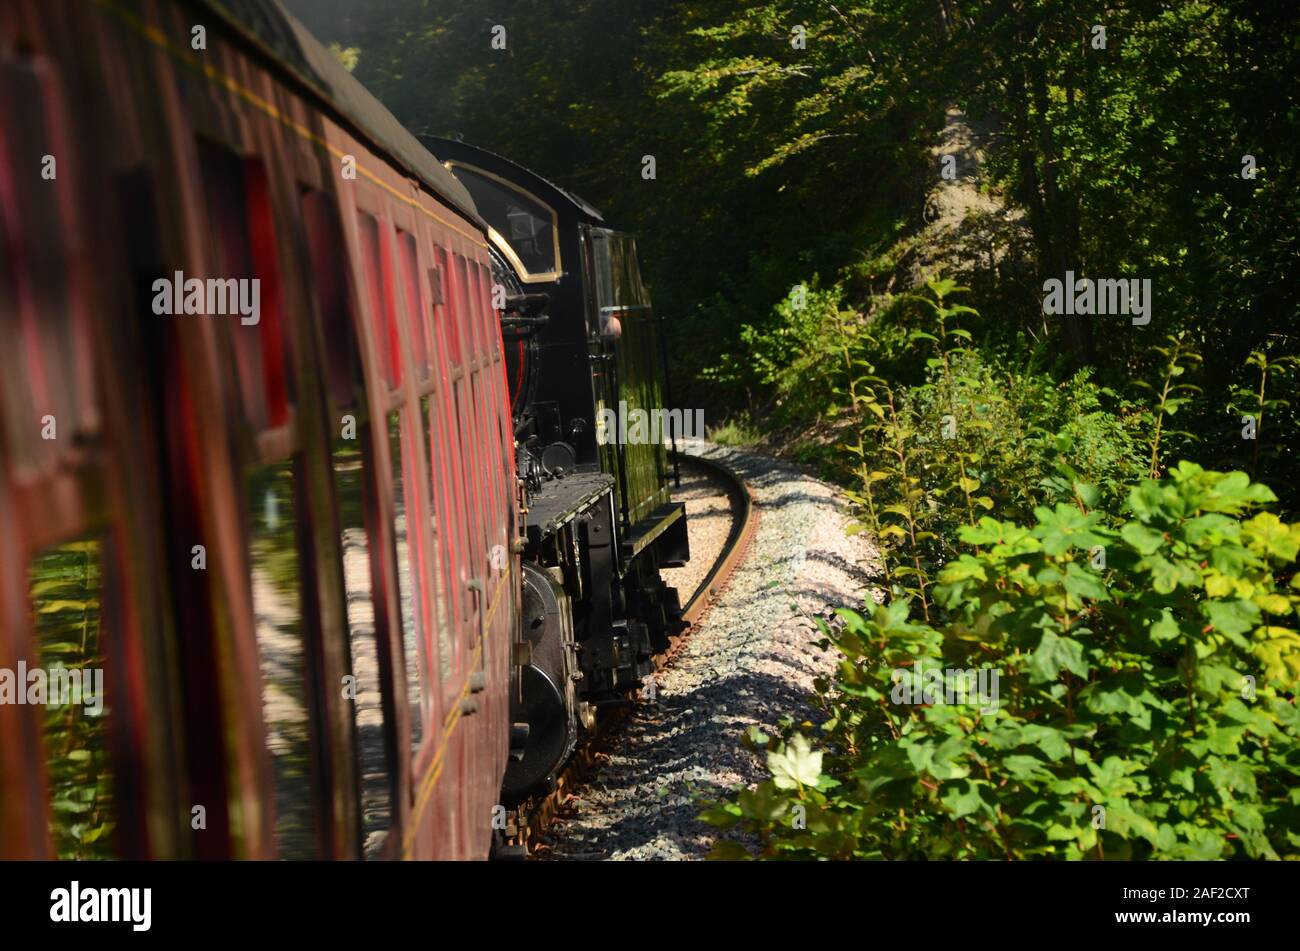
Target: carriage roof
<point x="279" y="36"/>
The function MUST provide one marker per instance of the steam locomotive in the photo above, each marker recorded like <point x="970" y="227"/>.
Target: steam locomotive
<point x="331" y="555"/>
<point x="600" y="521"/>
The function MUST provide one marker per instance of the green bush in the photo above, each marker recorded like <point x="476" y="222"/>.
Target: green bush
<point x="794" y="355"/>
<point x="974" y="436"/>
<point x="1147" y="665"/>
<point x="738" y="430"/>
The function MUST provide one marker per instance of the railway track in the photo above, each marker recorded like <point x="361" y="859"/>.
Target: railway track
<point x="527" y="824"/>
<point x="744" y="522"/>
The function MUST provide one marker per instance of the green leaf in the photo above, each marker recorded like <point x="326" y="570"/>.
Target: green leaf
<point x="1232" y="618"/>
<point x="1056" y="653"/>
<point x="722" y="815"/>
<point x="1145" y="540"/>
<point x="723" y="851"/>
<point x="1165" y="629"/>
<point x="963" y="802"/>
<point x="798" y="765"/>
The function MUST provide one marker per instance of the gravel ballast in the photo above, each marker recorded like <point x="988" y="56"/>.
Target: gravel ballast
<point x="750" y="661"/>
<point x="708" y="520"/>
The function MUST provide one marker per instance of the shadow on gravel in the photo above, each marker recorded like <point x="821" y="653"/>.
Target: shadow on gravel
<point x="752" y="663"/>
<point x="686" y="739"/>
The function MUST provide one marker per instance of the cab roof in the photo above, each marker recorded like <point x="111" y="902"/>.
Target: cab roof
<point x="561" y="199"/>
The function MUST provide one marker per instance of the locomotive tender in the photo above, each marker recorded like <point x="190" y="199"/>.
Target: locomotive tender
<point x="353" y="565"/>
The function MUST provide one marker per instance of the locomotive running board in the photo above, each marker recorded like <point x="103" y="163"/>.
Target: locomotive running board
<point x="651" y="528"/>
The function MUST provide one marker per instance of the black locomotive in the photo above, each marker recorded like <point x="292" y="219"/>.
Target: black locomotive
<point x="583" y="351"/>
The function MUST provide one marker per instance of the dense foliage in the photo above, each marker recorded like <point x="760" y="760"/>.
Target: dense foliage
<point x="1142" y="631"/>
<point x="1144" y="708"/>
<point x="786" y="153"/>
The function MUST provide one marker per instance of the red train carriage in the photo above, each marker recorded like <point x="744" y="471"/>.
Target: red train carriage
<point x="284" y="532"/>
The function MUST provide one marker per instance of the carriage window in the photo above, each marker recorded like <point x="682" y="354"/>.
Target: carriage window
<point x="449" y="308"/>
<point x="468" y="274"/>
<point x="449" y="486"/>
<point x="470" y="309"/>
<point x="66" y="590"/>
<point x="464" y="436"/>
<point x="378" y="260"/>
<point x="277" y="610"/>
<point x="46" y="368"/>
<point x="436" y="281"/>
<point x="368" y="709"/>
<point x="485" y="278"/>
<point x="467" y="401"/>
<point x="483" y="476"/>
<point x="243" y="250"/>
<point x="265" y="303"/>
<point x="492" y="377"/>
<point x="526" y="225"/>
<point x="412" y="649"/>
<point x="428" y="413"/>
<point x="329" y="284"/>
<point x="415" y="305"/>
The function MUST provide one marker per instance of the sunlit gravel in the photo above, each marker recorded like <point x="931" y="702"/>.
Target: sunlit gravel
<point x="751" y="661"/>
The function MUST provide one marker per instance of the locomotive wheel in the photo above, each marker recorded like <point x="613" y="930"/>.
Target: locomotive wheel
<point x="543" y="709"/>
<point x="546" y="697"/>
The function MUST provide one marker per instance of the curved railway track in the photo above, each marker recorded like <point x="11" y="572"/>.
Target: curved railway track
<point x="530" y="821"/>
<point x="744" y="522"/>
